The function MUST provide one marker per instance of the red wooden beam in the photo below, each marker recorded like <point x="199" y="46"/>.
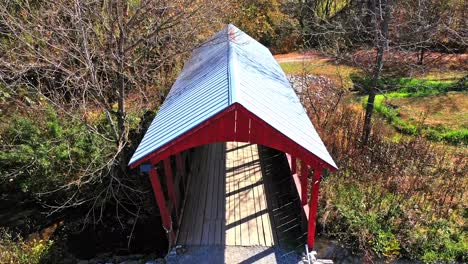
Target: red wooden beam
<point x="161" y="201"/>
<point x="170" y="184"/>
<point x="313" y="203"/>
<point x="304" y="183"/>
<point x="293" y="165"/>
<point x="233" y="123"/>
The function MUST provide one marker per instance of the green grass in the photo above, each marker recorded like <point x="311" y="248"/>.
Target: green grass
<point x="426" y="94"/>
<point x="434" y="133"/>
<point x="412" y="87"/>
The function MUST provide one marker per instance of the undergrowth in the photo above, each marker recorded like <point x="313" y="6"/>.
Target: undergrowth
<point x="392" y="199"/>
<point x="20" y="251"/>
<point x="46" y="151"/>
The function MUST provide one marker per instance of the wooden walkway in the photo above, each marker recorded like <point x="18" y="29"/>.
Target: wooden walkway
<point x="227" y="201"/>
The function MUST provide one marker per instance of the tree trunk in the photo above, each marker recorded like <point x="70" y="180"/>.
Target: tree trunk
<point x="421" y="55"/>
<point x="121" y="79"/>
<point x="382" y="42"/>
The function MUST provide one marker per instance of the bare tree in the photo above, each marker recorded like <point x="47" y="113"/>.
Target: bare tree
<point x="370" y="34"/>
<point x="87" y="56"/>
<point x="382" y="13"/>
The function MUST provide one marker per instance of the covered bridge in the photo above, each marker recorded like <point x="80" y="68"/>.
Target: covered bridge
<point x="230" y="90"/>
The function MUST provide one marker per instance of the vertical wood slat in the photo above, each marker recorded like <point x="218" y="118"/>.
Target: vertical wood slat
<point x="180" y="166"/>
<point x="198" y="180"/>
<point x="170" y="185"/>
<point x="230" y="208"/>
<point x="313" y="207"/>
<point x="237" y="197"/>
<point x="222" y="213"/>
<point x="194" y="168"/>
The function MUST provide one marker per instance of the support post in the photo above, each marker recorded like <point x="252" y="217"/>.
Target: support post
<point x="304" y="181"/>
<point x="161" y="201"/>
<point x="313" y="203"/>
<point x="170" y="184"/>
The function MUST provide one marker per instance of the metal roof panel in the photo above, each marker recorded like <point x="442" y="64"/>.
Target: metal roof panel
<point x="232" y="68"/>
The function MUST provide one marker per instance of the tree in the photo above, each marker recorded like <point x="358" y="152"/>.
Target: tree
<point x="340" y="29"/>
<point x="370" y="34"/>
<point x="381" y="20"/>
<point x="86" y="57"/>
<point x="266" y="21"/>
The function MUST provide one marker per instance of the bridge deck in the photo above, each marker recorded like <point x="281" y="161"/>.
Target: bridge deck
<point x="241" y="207"/>
<point x="226" y="203"/>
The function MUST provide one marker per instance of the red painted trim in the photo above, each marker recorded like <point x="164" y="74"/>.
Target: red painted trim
<point x="224" y="127"/>
<point x="297" y="184"/>
<point x="304" y="181"/>
<point x="205" y="133"/>
<point x="313" y="204"/>
<point x="160" y="199"/>
<point x="170" y="185"/>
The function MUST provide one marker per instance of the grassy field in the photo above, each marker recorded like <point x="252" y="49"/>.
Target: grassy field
<point x="448" y="109"/>
<point x="433" y="104"/>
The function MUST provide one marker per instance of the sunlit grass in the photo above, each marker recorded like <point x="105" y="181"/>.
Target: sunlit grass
<point x="439" y="118"/>
<point x="338" y="73"/>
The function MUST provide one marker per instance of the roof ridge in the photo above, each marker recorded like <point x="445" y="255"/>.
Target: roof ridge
<point x="231" y="66"/>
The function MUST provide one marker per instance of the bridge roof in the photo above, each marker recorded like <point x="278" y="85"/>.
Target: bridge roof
<point x="231" y="69"/>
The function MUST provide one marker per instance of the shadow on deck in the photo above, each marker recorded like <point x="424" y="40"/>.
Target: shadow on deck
<point x="241" y="207"/>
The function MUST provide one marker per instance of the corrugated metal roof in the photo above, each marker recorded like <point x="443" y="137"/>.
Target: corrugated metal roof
<point x="231" y="68"/>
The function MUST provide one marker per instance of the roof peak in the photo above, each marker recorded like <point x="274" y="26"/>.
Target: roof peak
<point x="229" y="68"/>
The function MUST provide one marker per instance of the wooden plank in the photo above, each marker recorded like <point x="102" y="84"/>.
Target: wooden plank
<point x="245" y="231"/>
<point x="170" y="186"/>
<point x="257" y="196"/>
<point x="196" y="233"/>
<point x="266" y="224"/>
<point x="207" y="202"/>
<point x="229" y="195"/>
<point x="237" y="197"/>
<point x="252" y="212"/>
<point x="219" y="239"/>
<point x="206" y="221"/>
<point x="230" y="200"/>
<point x="213" y="203"/>
<point x="182" y="237"/>
<point x="192" y="198"/>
